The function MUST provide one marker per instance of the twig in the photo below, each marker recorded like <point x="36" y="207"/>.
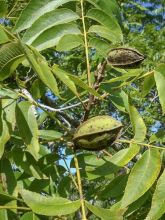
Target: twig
<point x="86" y="44"/>
<point x="98" y="78"/>
<point x="30" y="98"/>
<point x="70" y="174"/>
<point x="80" y="187"/>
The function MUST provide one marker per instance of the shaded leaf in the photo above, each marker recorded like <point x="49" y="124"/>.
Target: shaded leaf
<point x="142" y="176"/>
<point x="103" y="31"/>
<point x="50" y="206"/>
<point x="105" y="214"/>
<point x="63" y="76"/>
<point x="7" y="121"/>
<point x="41" y="67"/>
<point x="28" y="127"/>
<point x="68" y="42"/>
<point x="11" y="55"/>
<point x="3" y="8"/>
<point x="108" y="21"/>
<point x="109" y="7"/>
<point x="115" y="188"/>
<point x="158" y="200"/>
<point x="101" y="46"/>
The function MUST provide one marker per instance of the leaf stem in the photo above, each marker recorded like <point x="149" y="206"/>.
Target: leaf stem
<point x="70" y="174"/>
<point x="86" y="44"/>
<point x="80" y="187"/>
<point x="14" y="207"/>
<point x="139" y="143"/>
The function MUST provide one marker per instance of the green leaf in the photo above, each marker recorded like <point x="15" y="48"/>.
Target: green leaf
<point x="109" y="7"/>
<point x="83" y="85"/>
<point x="73" y="80"/>
<point x="7" y="93"/>
<point x="3" y="36"/>
<point x="142" y="176"/>
<point x="50" y="206"/>
<point x="114" y="189"/>
<point x="10" y="180"/>
<point x="148" y="84"/>
<point x="5" y="198"/>
<point x="138" y="125"/>
<point x="117" y="100"/>
<point x="34" y="10"/>
<point x="63" y="76"/>
<point x="11" y="55"/>
<point x="104" y="32"/>
<point x="49" y="134"/>
<point x="105" y="214"/>
<point x="52" y="36"/>
<point x="122" y="157"/>
<point x="29" y="216"/>
<point x="3" y="8"/>
<point x="69" y="41"/>
<point x="3" y="214"/>
<point x="159" y="75"/>
<point x="108" y="21"/>
<point x="41" y="67"/>
<point x="48" y="20"/>
<point x="7" y="121"/>
<point x="138" y="203"/>
<point x="101" y="46"/>
<point x="28" y="127"/>
<point x="158" y="200"/>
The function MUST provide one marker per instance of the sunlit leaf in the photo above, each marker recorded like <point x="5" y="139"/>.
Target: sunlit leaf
<point x="142" y="176"/>
<point x="3" y="36"/>
<point x="34" y="10"/>
<point x="50" y="206"/>
<point x="52" y="36"/>
<point x="48" y="20"/>
<point x="29" y="216"/>
<point x="148" y="84"/>
<point x="123" y="156"/>
<point x="160" y="82"/>
<point x="138" y="124"/>
<point x="49" y="134"/>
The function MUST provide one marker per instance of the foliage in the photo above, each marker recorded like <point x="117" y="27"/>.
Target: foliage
<point x="53" y="76"/>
